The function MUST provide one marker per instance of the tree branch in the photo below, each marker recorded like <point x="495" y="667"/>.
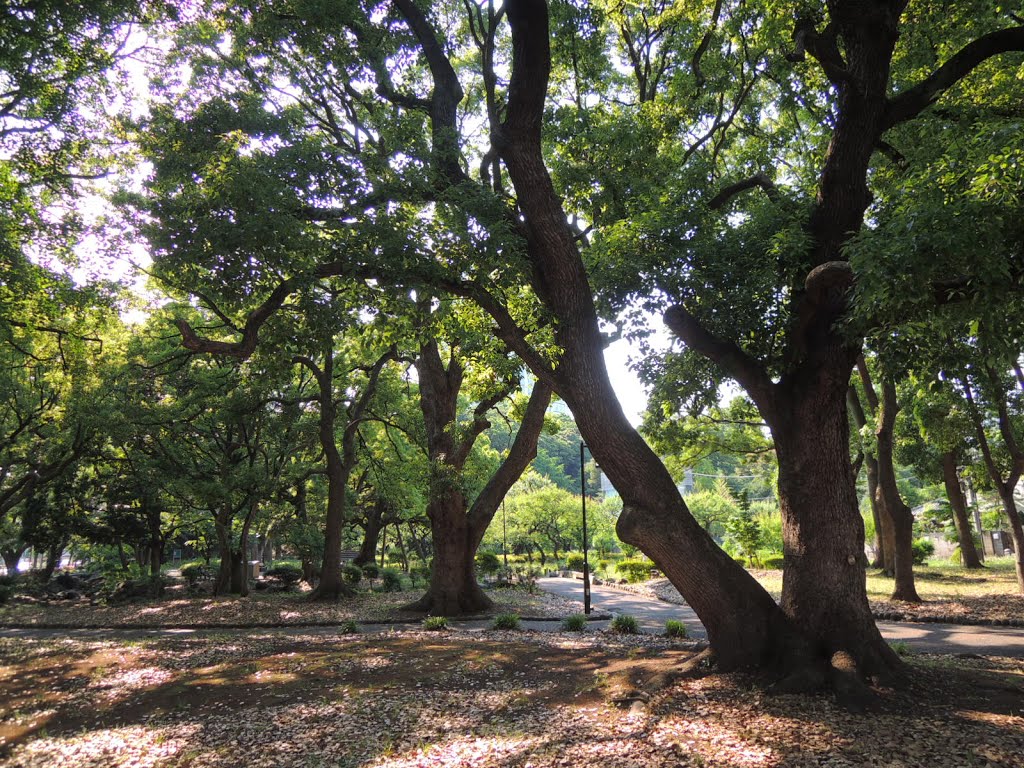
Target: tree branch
<point x="910" y="103"/>
<point x="759" y="179"/>
<point x="733" y="360"/>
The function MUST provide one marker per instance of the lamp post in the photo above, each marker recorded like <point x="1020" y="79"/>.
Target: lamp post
<point x="586" y="560"/>
<point x="504" y="535"/>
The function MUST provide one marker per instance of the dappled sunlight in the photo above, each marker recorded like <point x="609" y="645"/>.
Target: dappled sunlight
<point x="412" y="698"/>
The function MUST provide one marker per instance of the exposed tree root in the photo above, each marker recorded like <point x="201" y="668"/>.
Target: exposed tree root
<point x="325" y="594"/>
<point x="447" y="605"/>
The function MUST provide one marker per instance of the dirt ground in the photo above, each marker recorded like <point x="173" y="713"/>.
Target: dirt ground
<point x="456" y="698"/>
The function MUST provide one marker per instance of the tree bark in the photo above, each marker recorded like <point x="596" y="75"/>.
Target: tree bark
<point x="1016" y="530"/>
<point x="456" y="527"/>
<point x="222" y="584"/>
<point x="871" y="465"/>
<point x="453" y="589"/>
<point x="958" y="503"/>
<point x="371" y="535"/>
<point x="900" y="516"/>
<point x="12" y="558"/>
<point x="824" y="590"/>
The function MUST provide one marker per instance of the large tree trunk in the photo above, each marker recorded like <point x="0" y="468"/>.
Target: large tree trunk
<point x="457" y="528"/>
<point x="823" y="590"/>
<point x="222" y="584"/>
<point x="453" y="589"/>
<point x="900" y="516"/>
<point x="12" y="558"/>
<point x="957" y="502"/>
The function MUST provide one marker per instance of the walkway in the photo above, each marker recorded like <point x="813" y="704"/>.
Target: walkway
<point x="928" y="638"/>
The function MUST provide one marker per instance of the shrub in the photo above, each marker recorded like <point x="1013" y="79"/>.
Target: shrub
<point x="487" y="563"/>
<point x="625" y="624"/>
<point x="6" y="590"/>
<point x="923" y="549"/>
<point x="348" y="627"/>
<point x="506" y="621"/>
<point x="435" y="623"/>
<point x="286" y="573"/>
<point x="370" y="570"/>
<point x="577" y="622"/>
<point x="353" y="574"/>
<point x="193" y="573"/>
<point x="774" y="562"/>
<point x="391" y="580"/>
<point x="420" y="574"/>
<point x="574" y="561"/>
<point x="602" y="565"/>
<point x="527" y="578"/>
<point x="675" y="628"/>
<point x="635" y="570"/>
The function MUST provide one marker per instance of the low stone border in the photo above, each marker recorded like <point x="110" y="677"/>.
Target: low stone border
<point x="967" y="621"/>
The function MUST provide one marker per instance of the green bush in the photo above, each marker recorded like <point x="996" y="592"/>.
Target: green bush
<point x="574" y="561"/>
<point x="602" y="565"/>
<point x="6" y="590"/>
<point x="506" y="621"/>
<point x="675" y="628"/>
<point x="370" y="570"/>
<point x="625" y="624"/>
<point x="286" y="573"/>
<point x="391" y="580"/>
<point x="635" y="571"/>
<point x="577" y="622"/>
<point x="193" y="573"/>
<point x="353" y="574"/>
<point x="487" y="563"/>
<point x="420" y="574"/>
<point x="923" y="549"/>
<point x="773" y="562"/>
<point x="435" y="623"/>
<point x="348" y="627"/>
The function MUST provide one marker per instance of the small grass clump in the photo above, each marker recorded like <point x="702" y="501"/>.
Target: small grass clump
<point x="901" y="648"/>
<point x="349" y="627"/>
<point x="675" y="628"/>
<point x="625" y="624"/>
<point x="577" y="622"/>
<point x="506" y="621"/>
<point x="435" y="623"/>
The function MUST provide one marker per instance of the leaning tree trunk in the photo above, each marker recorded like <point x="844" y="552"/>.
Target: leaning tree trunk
<point x="1016" y="530"/>
<point x="955" y="494"/>
<point x="900" y="516"/>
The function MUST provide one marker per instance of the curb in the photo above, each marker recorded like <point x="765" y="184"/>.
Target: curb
<point x="288" y="625"/>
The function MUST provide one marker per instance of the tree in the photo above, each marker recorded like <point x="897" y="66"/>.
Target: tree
<point x="457" y="525"/>
<point x="944" y="433"/>
<point x="796" y="372"/>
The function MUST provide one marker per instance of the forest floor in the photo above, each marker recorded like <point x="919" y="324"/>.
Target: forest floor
<point x="176" y="609"/>
<point x="950" y="594"/>
<point x="408" y="697"/>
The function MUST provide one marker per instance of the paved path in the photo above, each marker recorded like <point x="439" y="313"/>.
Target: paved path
<point x="930" y="638"/>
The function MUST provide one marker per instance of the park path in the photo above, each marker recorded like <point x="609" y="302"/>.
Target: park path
<point x="651" y="613"/>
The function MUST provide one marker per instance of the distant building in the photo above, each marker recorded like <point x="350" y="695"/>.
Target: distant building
<point x="685" y="487"/>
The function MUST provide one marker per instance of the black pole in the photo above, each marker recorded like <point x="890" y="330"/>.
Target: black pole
<point x="504" y="535"/>
<point x="586" y="560"/>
